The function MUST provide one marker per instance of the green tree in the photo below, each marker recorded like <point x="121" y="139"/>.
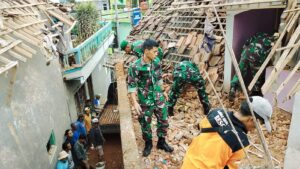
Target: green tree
<point x="87" y="16"/>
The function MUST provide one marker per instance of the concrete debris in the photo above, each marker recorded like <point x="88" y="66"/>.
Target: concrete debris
<point x="184" y="127"/>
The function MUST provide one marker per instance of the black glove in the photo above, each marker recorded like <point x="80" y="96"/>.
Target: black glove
<point x="206" y="108"/>
<point x="170" y="111"/>
<point x="231" y="94"/>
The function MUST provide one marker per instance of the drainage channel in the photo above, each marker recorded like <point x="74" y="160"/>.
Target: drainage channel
<point x="110" y="125"/>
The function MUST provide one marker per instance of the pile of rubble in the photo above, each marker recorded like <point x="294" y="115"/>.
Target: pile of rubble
<point x="184" y="127"/>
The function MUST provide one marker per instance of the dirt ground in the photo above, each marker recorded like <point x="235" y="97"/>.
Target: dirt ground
<point x="112" y="153"/>
<point x="184" y="123"/>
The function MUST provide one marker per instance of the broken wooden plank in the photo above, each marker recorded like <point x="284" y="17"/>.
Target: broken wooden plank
<point x="180" y="42"/>
<point x="61" y="18"/>
<point x="189" y="39"/>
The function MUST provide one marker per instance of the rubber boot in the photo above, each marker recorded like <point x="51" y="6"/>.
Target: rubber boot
<point x="161" y="144"/>
<point x="148" y="147"/>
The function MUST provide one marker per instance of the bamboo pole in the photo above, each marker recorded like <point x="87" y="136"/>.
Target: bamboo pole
<point x="286" y="56"/>
<point x="242" y="84"/>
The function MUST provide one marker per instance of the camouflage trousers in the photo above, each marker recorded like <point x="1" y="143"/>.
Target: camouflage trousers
<point x="177" y="88"/>
<point x="146" y="118"/>
<point x="248" y="71"/>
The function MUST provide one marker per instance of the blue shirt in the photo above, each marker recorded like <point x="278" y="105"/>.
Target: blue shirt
<point x="80" y="128"/>
<point x="75" y="137"/>
<point x="97" y="102"/>
<point x="62" y="165"/>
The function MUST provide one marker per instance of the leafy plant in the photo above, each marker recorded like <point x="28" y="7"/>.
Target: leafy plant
<point x="87" y="17"/>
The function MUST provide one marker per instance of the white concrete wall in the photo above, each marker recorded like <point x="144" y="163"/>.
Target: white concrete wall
<point x="39" y="105"/>
<point x="292" y="157"/>
<point x="229" y="37"/>
<point x="101" y="78"/>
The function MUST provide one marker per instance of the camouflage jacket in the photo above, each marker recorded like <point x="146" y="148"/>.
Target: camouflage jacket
<point x="186" y="71"/>
<point x="146" y="79"/>
<point x="138" y="51"/>
<point x="257" y="48"/>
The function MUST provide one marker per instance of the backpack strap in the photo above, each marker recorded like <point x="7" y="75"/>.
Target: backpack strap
<point x="215" y="129"/>
<point x="229" y="137"/>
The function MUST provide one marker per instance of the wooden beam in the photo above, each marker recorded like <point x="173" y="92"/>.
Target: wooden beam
<point x="8" y="66"/>
<point x="19" y="27"/>
<point x="288" y="78"/>
<point x="4" y="60"/>
<point x="292" y="10"/>
<point x="285" y="57"/>
<point x="25" y="38"/>
<point x="17" y="56"/>
<point x="238" y="4"/>
<point x="60" y="35"/>
<point x="272" y="52"/>
<point x="61" y="18"/>
<point x="69" y="30"/>
<point x="28" y="48"/>
<point x="6" y="48"/>
<point x="24" y="52"/>
<point x="22" y="6"/>
<point x="32" y="38"/>
<point x="294" y="89"/>
<point x="24" y="46"/>
<point x="287" y="47"/>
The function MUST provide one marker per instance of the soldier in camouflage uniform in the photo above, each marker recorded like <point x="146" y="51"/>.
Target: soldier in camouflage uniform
<point x="254" y="53"/>
<point x="136" y="48"/>
<point x="145" y="79"/>
<point x="187" y="72"/>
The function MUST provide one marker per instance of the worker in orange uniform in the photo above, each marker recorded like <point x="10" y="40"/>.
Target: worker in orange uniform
<point x="217" y="147"/>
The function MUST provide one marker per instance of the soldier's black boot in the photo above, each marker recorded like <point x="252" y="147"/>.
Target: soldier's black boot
<point x="161" y="144"/>
<point x="170" y="111"/>
<point x="148" y="147"/>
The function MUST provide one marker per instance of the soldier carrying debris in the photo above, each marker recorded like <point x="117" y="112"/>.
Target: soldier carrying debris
<point x="217" y="146"/>
<point x="254" y="53"/>
<point x="186" y="73"/>
<point x="145" y="80"/>
<point x="135" y="48"/>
